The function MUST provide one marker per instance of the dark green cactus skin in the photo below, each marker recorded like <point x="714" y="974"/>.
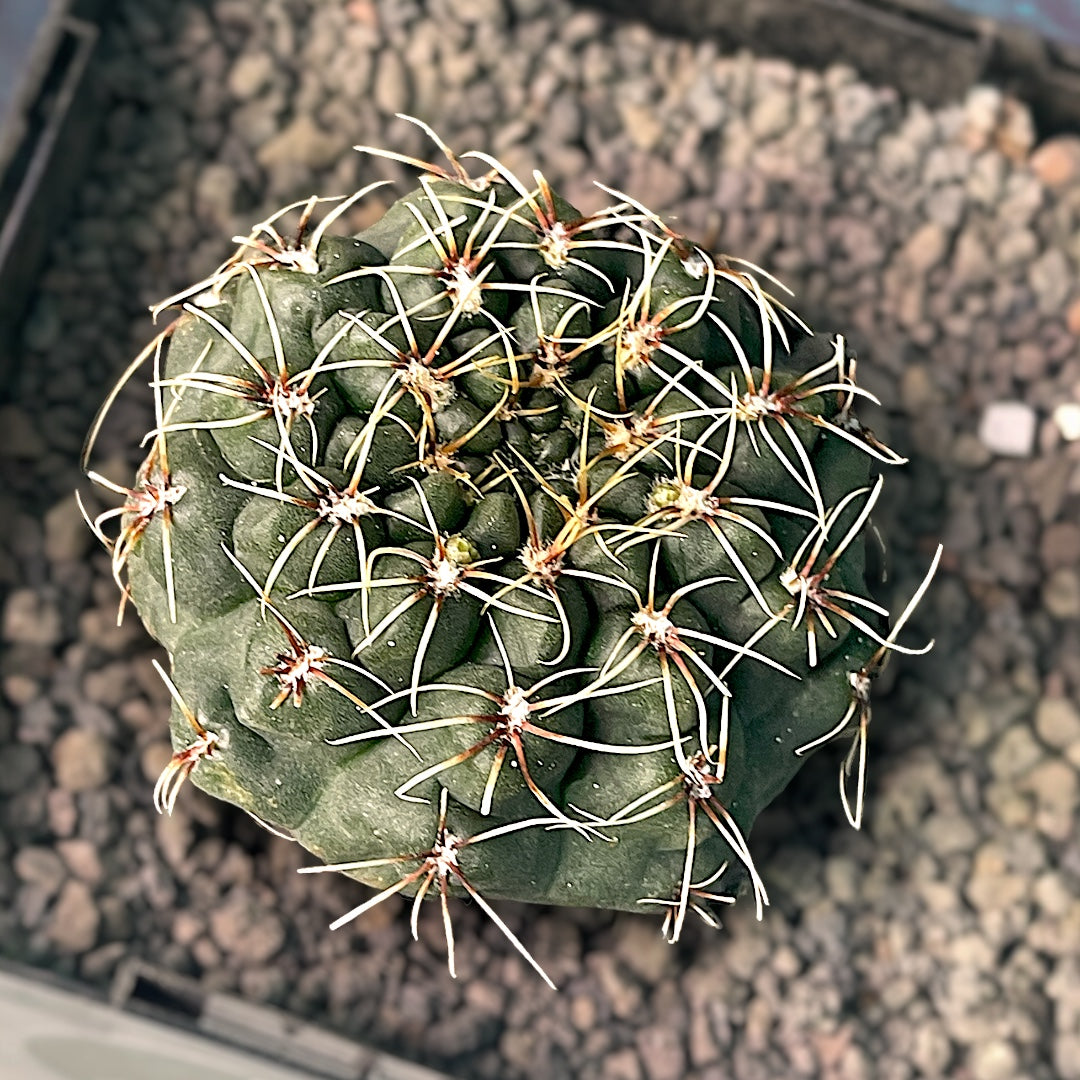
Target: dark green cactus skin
<point x="497" y="499"/>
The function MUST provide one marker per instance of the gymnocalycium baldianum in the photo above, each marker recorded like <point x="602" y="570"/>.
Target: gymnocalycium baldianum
<point x="504" y="551"/>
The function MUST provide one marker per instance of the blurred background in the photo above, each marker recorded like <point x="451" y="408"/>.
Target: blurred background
<point x="911" y="169"/>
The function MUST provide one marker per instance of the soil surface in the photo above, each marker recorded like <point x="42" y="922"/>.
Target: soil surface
<point x="943" y="939"/>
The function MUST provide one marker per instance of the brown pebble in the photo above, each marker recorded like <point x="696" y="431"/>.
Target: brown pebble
<point x="81" y="760"/>
<point x="1059" y="545"/>
<point x="81" y="858"/>
<point x="1072" y="317"/>
<point x="73" y="926"/>
<point x="1056" y="162"/>
<point x="39" y="866"/>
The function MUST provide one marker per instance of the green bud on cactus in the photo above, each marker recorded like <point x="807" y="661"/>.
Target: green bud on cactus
<point x="505" y="551"/>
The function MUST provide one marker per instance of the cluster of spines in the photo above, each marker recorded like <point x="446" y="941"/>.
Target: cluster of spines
<point x="673" y="446"/>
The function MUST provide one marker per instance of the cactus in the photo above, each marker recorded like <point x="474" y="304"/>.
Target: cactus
<point x="504" y="551"/>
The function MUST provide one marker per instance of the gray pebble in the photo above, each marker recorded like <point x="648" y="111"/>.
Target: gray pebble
<point x="62" y="813"/>
<point x="82" y="860"/>
<point x="173" y="833"/>
<point x="22" y="767"/>
<point x="99" y="965"/>
<point x="1055" y="789"/>
<point x="924" y="249"/>
<point x="969" y="452"/>
<point x="1016" y="247"/>
<point x="1061" y="593"/>
<point x="950" y="834"/>
<point x="1057" y="721"/>
<point x="771" y="114"/>
<point x="21" y="689"/>
<point x="982" y="110"/>
<point x="257" y="123"/>
<point x="642" y="949"/>
<point x="622" y="1064"/>
<point x="216" y="190"/>
<point x="659" y="184"/>
<point x="43" y="326"/>
<point x="706" y="105"/>
<point x="302" y="143"/>
<point x="946" y="164"/>
<point x="947" y="205"/>
<point x="993" y="1060"/>
<point x="1007" y="428"/>
<point x="1066" y="418"/>
<point x="984" y="183"/>
<point x="66" y="536"/>
<point x="1051" y="279"/>
<point x="661" y="1053"/>
<point x="972" y="263"/>
<point x="487" y="12"/>
<point x="40" y="866"/>
<point x="861" y="112"/>
<point x="391" y="85"/>
<point x="931" y="1050"/>
<point x="244" y="928"/>
<point x="250" y="73"/>
<point x="31" y="619"/>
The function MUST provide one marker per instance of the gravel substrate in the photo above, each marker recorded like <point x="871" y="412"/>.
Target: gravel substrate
<point x="943" y="940"/>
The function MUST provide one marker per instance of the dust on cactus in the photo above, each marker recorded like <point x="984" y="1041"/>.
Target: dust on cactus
<point x="504" y="551"/>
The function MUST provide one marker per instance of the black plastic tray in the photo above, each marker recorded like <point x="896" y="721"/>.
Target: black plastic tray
<point x="47" y="113"/>
<point x="926" y="49"/>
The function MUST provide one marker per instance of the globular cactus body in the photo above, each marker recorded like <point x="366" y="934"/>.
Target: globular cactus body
<point x="503" y="550"/>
